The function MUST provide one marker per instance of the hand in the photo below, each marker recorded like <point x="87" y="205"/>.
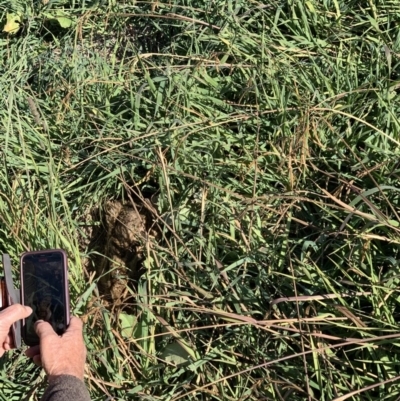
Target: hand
<point x="60" y="355"/>
<point x="8" y="317"/>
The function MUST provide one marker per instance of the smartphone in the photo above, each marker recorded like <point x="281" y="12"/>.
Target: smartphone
<point x="44" y="287"/>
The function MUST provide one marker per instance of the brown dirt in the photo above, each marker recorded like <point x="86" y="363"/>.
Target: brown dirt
<point x="118" y="242"/>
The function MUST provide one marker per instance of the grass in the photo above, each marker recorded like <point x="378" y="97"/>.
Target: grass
<point x="269" y="134"/>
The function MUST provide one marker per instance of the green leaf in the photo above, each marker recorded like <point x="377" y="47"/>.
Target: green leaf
<point x="13" y="23"/>
<point x="135" y="390"/>
<point x="127" y="324"/>
<point x="61" y="17"/>
<point x="64" y="22"/>
<point x="394" y="223"/>
<point x="174" y="353"/>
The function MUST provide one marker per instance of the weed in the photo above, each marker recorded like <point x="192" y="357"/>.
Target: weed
<point x="262" y="139"/>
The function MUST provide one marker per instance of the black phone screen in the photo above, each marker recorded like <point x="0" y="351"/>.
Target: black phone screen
<point x="44" y="279"/>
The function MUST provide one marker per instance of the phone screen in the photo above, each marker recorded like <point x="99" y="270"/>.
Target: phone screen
<point x="44" y="283"/>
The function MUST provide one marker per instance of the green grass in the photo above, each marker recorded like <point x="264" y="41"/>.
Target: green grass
<point x="269" y="132"/>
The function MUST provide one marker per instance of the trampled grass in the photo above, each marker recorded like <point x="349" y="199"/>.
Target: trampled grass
<point x="263" y="140"/>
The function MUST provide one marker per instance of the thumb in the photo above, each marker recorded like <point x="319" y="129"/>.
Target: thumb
<point x="12" y="314"/>
<point x="75" y="324"/>
<point x="44" y="329"/>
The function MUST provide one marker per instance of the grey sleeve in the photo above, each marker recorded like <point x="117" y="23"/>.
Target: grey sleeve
<point x="66" y="388"/>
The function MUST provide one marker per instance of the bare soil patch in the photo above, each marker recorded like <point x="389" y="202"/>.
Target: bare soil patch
<point x="116" y="247"/>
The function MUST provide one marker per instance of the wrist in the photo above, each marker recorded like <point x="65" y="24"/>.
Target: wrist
<point x="52" y="378"/>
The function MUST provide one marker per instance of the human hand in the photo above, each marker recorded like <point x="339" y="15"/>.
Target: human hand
<point x="8" y="317"/>
<point x="60" y="355"/>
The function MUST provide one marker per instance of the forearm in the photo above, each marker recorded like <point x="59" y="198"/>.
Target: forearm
<point x="66" y="388"/>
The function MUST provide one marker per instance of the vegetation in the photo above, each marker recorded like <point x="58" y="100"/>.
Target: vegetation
<point x="263" y="140"/>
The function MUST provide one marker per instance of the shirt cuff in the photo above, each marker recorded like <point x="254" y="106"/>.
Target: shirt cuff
<point x="66" y="388"/>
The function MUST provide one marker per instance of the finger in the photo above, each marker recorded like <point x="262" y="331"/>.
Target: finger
<point x="9" y="342"/>
<point x="12" y="314"/>
<point x="37" y="360"/>
<point x="44" y="329"/>
<point x="75" y="324"/>
<point x="33" y="351"/>
<point x="9" y="339"/>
